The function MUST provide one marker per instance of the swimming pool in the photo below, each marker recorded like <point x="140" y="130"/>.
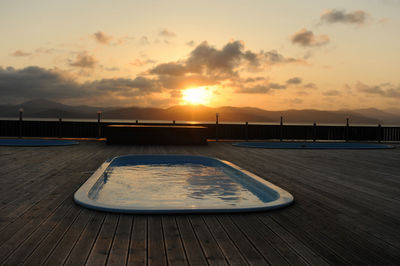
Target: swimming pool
<point x="36" y="142"/>
<point x="312" y="145"/>
<point x="177" y="184"/>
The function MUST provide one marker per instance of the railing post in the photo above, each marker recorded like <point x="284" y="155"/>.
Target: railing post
<point x="173" y="122"/>
<point x="60" y="127"/>
<point x="216" y="126"/>
<point x="314" y="132"/>
<point x="347" y="129"/>
<point x="98" y="124"/>
<point x="380" y="133"/>
<point x="281" y="129"/>
<point x="137" y="122"/>
<point x="21" y="110"/>
<point x="247" y="131"/>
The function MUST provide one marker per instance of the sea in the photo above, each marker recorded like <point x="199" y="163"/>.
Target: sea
<point x="182" y="122"/>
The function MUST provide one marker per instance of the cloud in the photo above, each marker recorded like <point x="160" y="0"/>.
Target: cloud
<point x="384" y="90"/>
<point x="310" y="86"/>
<point x="20" y="53"/>
<point x="331" y="16"/>
<point x="35" y="82"/>
<point x="224" y="62"/>
<point x="140" y="62"/>
<point x="173" y="68"/>
<point x="190" y="43"/>
<point x="296" y="101"/>
<point x="42" y="50"/>
<point x="205" y="65"/>
<point x="111" y="69"/>
<point x="306" y="38"/>
<point x="166" y="33"/>
<point x="261" y="89"/>
<point x="207" y="60"/>
<point x="294" y="81"/>
<point x="138" y="86"/>
<point x="273" y="57"/>
<point x="144" y="40"/>
<point x="102" y="38"/>
<point x="331" y="93"/>
<point x="83" y="60"/>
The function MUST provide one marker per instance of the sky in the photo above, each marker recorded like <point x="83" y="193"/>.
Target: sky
<point x="274" y="55"/>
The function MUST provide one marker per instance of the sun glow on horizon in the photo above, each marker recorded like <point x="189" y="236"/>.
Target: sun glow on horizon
<point x="196" y="96"/>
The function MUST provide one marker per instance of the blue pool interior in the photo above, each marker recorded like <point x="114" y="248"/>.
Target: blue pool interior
<point x="36" y="142"/>
<point x="177" y="184"/>
<point x="313" y="145"/>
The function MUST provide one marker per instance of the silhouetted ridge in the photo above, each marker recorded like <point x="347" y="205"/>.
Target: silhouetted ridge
<point x="43" y="108"/>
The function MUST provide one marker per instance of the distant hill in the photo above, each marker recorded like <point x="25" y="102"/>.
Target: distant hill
<point x="387" y="116"/>
<point x="395" y="111"/>
<point x="42" y="108"/>
<point x="48" y="109"/>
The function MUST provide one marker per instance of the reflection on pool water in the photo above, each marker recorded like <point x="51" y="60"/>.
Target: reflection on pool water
<point x="170" y="185"/>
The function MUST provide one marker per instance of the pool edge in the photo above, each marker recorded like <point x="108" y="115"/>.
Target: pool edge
<point x="81" y="198"/>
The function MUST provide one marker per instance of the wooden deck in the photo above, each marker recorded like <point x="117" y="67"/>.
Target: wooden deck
<point x="346" y="211"/>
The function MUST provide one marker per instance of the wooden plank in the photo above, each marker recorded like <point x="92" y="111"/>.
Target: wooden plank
<point x="230" y="251"/>
<point x="156" y="251"/>
<point x="268" y="251"/>
<point x="81" y="250"/>
<point x="66" y="244"/>
<point x="212" y="251"/>
<point x="272" y="239"/>
<point x="137" y="254"/>
<point x="102" y="246"/>
<point x="45" y="248"/>
<point x="306" y="252"/>
<point x="361" y="244"/>
<point x="194" y="251"/>
<point x="173" y="242"/>
<point x="248" y="251"/>
<point x="291" y="174"/>
<point x="23" y="244"/>
<point x="120" y="247"/>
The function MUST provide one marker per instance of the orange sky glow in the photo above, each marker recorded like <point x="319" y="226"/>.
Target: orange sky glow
<point x="272" y="55"/>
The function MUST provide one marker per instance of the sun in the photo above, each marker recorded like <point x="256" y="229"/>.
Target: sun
<point x="196" y="96"/>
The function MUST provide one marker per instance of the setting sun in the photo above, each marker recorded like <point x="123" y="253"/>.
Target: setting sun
<point x="198" y="95"/>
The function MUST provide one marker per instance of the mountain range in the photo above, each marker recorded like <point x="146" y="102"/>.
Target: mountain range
<point x="42" y="108"/>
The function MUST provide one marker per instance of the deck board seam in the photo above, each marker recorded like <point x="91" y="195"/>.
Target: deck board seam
<point x="233" y="242"/>
<point x="35" y="230"/>
<point x="219" y="246"/>
<point x="180" y="237"/>
<point x="77" y="239"/>
<point x="62" y="236"/>
<point x="198" y="241"/>
<point x="250" y="241"/>
<point x="130" y="240"/>
<point x="95" y="239"/>
<point x="113" y="238"/>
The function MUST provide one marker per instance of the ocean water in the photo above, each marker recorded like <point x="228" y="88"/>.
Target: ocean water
<point x="181" y="122"/>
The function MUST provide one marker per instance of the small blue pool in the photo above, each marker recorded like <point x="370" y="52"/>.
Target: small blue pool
<point x="36" y="142"/>
<point x="177" y="184"/>
<point x="312" y="145"/>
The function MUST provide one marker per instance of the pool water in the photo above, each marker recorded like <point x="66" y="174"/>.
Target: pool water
<point x="170" y="185"/>
<point x="36" y="142"/>
<point x="313" y="145"/>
